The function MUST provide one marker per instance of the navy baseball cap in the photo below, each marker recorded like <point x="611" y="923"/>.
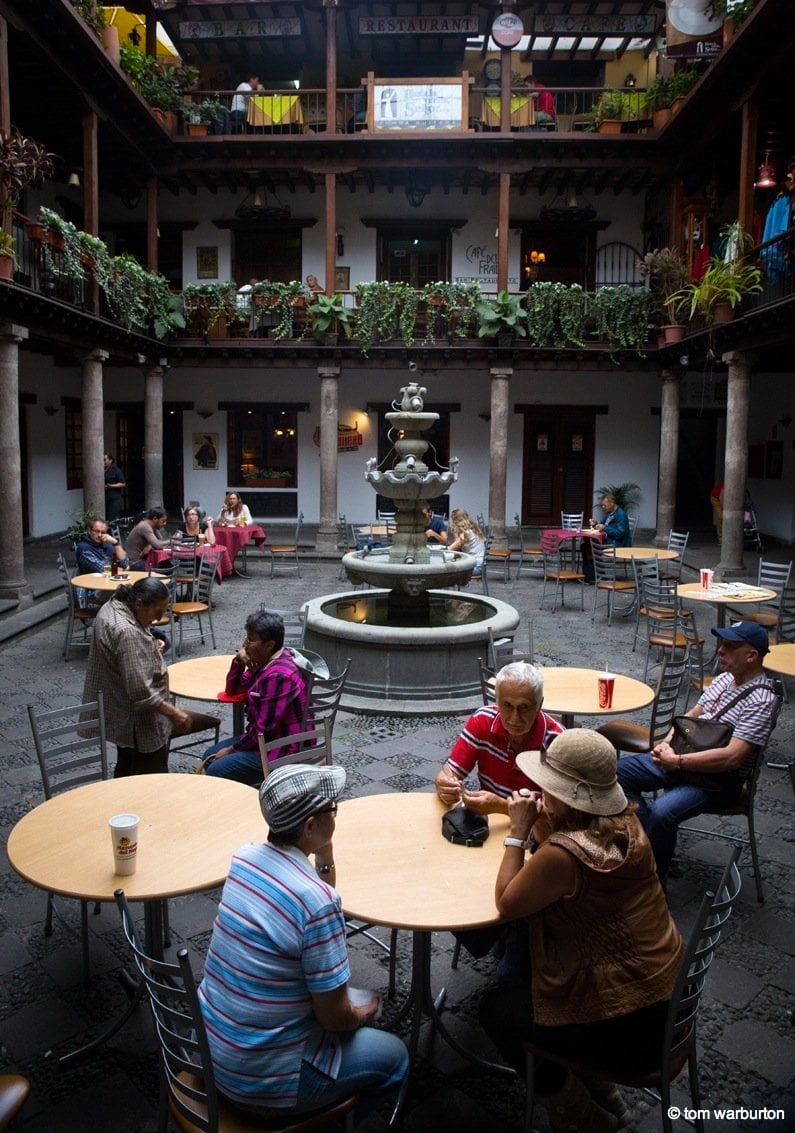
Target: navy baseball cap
<point x="749" y="632"/>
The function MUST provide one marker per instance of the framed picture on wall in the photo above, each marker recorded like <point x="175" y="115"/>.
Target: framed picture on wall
<point x="342" y="278"/>
<point x="205" y="450"/>
<point x="207" y="263"/>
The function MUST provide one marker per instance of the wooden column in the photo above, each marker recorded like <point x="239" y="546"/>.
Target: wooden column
<point x="503" y="230"/>
<point x="669" y="452"/>
<point x="735" y="463"/>
<point x="329" y="420"/>
<point x="91" y="197"/>
<point x="330" y="181"/>
<point x="153" y="436"/>
<point x="12" y="564"/>
<point x="5" y="101"/>
<point x="747" y="170"/>
<point x="93" y="415"/>
<point x="330" y="9"/>
<point x="498" y="445"/>
<point x="150" y="37"/>
<point x="151" y="224"/>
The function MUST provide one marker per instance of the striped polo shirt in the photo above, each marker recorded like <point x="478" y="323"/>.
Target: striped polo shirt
<point x="752" y="718"/>
<point x="485" y="744"/>
<point x="278" y="937"/>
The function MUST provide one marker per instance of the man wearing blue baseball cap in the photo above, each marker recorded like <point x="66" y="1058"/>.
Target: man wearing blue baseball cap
<point x="705" y="782"/>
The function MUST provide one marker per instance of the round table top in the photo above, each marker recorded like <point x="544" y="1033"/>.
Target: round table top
<point x="575" y="692"/>
<point x="644" y="553"/>
<point x="107" y="582"/>
<point x="190" y="825"/>
<point x="200" y="678"/>
<point x="728" y="593"/>
<point x="781" y="659"/>
<point x="395" y="868"/>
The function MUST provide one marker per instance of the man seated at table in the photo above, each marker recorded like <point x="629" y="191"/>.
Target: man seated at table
<point x="146" y="535"/>
<point x="435" y="527"/>
<point x="284" y="1033"/>
<point x="705" y="782"/>
<point x="616" y="533"/>
<point x="276" y="697"/>
<point x="491" y="739"/>
<point x="98" y="549"/>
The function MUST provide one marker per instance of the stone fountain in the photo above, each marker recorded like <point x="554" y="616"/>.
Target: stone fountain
<point x="410" y="642"/>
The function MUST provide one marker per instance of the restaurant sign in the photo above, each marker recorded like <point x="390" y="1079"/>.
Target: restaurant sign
<point x="418" y="25"/>
<point x="349" y="439"/>
<point x="238" y="29"/>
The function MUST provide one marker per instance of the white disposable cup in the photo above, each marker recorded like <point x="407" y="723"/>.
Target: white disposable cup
<point x="124" y="836"/>
<point x="706" y="578"/>
<point x="607" y="683"/>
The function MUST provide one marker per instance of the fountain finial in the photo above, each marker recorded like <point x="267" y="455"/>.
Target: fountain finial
<point x="413" y="397"/>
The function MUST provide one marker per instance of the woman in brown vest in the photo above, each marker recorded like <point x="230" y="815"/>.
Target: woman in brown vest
<point x="604" y="951"/>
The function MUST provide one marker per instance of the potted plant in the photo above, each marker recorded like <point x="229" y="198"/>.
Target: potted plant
<point x="67" y="241"/>
<point x="666" y="271"/>
<point x="327" y="316"/>
<point x="680" y="84"/>
<point x="202" y="117"/>
<point x="626" y="495"/>
<point x="276" y="302"/>
<point x="609" y="109"/>
<point x="543" y="303"/>
<point x="726" y="282"/>
<point x="377" y="313"/>
<point x="502" y="318"/>
<point x="658" y="100"/>
<point x="163" y="85"/>
<point x="622" y="316"/>
<point x="23" y="162"/>
<point x="454" y="303"/>
<point x="207" y="303"/>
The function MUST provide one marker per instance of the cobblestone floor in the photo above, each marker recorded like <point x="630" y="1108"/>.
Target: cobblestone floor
<point x="747" y="1039"/>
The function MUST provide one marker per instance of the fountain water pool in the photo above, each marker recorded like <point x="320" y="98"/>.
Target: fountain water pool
<point x="413" y="648"/>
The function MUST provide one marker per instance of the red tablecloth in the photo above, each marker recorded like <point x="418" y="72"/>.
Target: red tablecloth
<point x="235" y="538"/>
<point x="554" y="536"/>
<point x="220" y="554"/>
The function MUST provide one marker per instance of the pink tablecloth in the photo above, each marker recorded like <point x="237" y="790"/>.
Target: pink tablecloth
<point x="220" y="554"/>
<point x="554" y="536"/>
<point x="235" y="538"/>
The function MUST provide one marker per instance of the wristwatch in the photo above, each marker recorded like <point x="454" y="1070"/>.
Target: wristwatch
<point x="515" y="842"/>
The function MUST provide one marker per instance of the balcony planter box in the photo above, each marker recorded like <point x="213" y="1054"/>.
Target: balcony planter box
<point x="35" y="231"/>
<point x="610" y="126"/>
<point x="196" y="129"/>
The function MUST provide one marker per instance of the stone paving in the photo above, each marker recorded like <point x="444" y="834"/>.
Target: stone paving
<point x="747" y="1040"/>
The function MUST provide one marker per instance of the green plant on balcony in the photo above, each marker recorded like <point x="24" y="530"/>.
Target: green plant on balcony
<point x="543" y="303"/>
<point x="166" y="310"/>
<point x="70" y="264"/>
<point x="23" y="162"/>
<point x="163" y="85"/>
<point x="501" y="316"/>
<point x="610" y="105"/>
<point x="275" y="300"/>
<point x="680" y="83"/>
<point x="622" y="316"/>
<point x="378" y="313"/>
<point x="328" y="315"/>
<point x="206" y="303"/>
<point x="127" y="293"/>
<point x="666" y="271"/>
<point x="93" y="12"/>
<point x="726" y="282"/>
<point x="209" y="112"/>
<point x="658" y="94"/>
<point x="573" y="313"/>
<point x="455" y="303"/>
<point x="736" y="11"/>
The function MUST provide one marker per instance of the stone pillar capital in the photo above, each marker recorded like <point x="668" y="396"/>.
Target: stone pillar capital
<point x="501" y="371"/>
<point x="670" y="376"/>
<point x="96" y="355"/>
<point x="12" y="332"/>
<point x="328" y="372"/>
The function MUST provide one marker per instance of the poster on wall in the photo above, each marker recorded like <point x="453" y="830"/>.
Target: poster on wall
<point x="693" y="30"/>
<point x="205" y="451"/>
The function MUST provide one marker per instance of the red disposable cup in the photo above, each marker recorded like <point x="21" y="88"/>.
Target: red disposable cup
<point x="607" y="683"/>
<point x="706" y="578"/>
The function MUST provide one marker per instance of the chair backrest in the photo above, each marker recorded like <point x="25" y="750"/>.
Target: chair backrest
<point x="502" y="649"/>
<point x="314" y="746"/>
<point x="294" y="625"/>
<point x="205" y="578"/>
<point x="632" y="521"/>
<point x="185" y="1061"/>
<point x="716" y="908"/>
<point x="324" y="698"/>
<point x="71" y="745"/>
<point x="298" y="527"/>
<point x="487" y="676"/>
<point x="572" y="519"/>
<point x="774" y="576"/>
<point x="677" y="541"/>
<point x="666" y="697"/>
<point x="643" y="569"/>
<point x="661" y="597"/>
<point x="604" y="563"/>
<point x="66" y="576"/>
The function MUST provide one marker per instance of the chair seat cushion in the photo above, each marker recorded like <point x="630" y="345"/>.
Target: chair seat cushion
<point x="180" y="608"/>
<point x="619" y="584"/>
<point x="624" y="735"/>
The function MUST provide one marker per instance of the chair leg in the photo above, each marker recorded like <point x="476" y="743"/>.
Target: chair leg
<point x="456" y="955"/>
<point x="48" y="917"/>
<point x="760" y="893"/>
<point x="84" y="942"/>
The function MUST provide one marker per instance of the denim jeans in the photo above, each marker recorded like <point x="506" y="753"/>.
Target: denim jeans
<point x="374" y="1063"/>
<point x="242" y="766"/>
<point x="662" y="816"/>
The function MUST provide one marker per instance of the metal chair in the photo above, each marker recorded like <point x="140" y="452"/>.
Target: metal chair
<point x="286" y="553"/>
<point x="572" y="520"/>
<point x="531" y="557"/>
<point x="200" y="604"/>
<point x="556" y="571"/>
<point x="294" y="625"/>
<point x="76" y="614"/>
<point x="626" y="735"/>
<point x="642" y="569"/>
<point x="744" y="806"/>
<point x="679" y="1046"/>
<point x="503" y="651"/>
<point x="632" y="522"/>
<point x="189" y="1094"/>
<point x="324" y="698"/>
<point x="677" y="541"/>
<point x="71" y="748"/>
<point x="773" y="576"/>
<point x="314" y="746"/>
<point x="663" y="613"/>
<point x="488" y="691"/>
<point x="606" y="583"/>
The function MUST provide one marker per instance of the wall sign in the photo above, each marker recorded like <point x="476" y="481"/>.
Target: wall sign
<point x="238" y="29"/>
<point x="418" y="25"/>
<point x="507" y="30"/>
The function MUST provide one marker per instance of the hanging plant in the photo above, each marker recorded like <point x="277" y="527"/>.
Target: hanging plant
<point x="206" y="303"/>
<point x="408" y="299"/>
<point x="127" y="292"/>
<point x="166" y="311"/>
<point x="23" y="162"/>
<point x="272" y="298"/>
<point x="377" y="313"/>
<point x="573" y="310"/>
<point x="70" y="264"/>
<point x="622" y="316"/>
<point x="453" y="302"/>
<point x="542" y="304"/>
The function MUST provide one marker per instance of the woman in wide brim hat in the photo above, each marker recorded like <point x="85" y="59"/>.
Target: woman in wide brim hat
<point x="604" y="949"/>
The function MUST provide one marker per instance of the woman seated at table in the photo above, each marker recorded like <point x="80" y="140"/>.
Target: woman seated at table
<point x="234" y="513"/>
<point x="194" y="527"/>
<point x="276" y="696"/>
<point x="465" y="535"/>
<point x="145" y="535"/>
<point x="604" y="951"/>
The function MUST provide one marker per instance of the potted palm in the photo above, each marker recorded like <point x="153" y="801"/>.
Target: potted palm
<point x="502" y="318"/>
<point x="23" y="162"/>
<point x="327" y="316"/>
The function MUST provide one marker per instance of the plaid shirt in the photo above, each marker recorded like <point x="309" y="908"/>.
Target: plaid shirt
<point x="125" y="663"/>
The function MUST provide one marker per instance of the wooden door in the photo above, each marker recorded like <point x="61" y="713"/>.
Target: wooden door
<point x="558" y="463"/>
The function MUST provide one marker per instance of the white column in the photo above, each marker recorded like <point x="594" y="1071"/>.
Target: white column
<point x="93" y="423"/>
<point x="329" y="421"/>
<point x="153" y="436"/>
<point x="498" y="464"/>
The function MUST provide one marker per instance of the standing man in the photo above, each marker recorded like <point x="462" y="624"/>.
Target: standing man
<point x="114" y="488"/>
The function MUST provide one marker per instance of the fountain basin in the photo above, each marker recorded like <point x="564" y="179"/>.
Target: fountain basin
<point x="431" y="568"/>
<point x="407" y="669"/>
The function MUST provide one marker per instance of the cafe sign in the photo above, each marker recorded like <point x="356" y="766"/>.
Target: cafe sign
<point x="238" y="29"/>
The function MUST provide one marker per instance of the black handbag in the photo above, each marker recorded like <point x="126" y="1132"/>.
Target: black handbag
<point x="692" y="734"/>
<point x="464" y="827"/>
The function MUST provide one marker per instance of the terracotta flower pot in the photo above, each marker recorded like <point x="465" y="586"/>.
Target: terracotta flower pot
<point x="674" y="332"/>
<point x="6" y="267"/>
<point x="722" y="313"/>
<point x="610" y="126"/>
<point x="110" y="41"/>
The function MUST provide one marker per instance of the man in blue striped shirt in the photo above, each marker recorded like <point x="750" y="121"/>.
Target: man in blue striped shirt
<point x="283" y="1031"/>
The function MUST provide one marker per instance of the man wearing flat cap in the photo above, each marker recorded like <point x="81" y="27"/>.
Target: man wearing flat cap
<point x="283" y="1031"/>
<point x="720" y="771"/>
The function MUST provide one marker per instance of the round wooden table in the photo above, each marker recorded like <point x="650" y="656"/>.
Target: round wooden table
<point x="662" y="553"/>
<point x="395" y="868"/>
<point x="575" y="692"/>
<point x="781" y="659"/>
<point x="107" y="582"/>
<point x="204" y="678"/>
<point x="724" y="594"/>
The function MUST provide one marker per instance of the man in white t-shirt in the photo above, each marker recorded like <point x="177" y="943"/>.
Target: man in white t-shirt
<point x="239" y="108"/>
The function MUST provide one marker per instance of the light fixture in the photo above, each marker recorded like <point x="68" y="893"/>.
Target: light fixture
<point x="204" y="413"/>
<point x="74" y="179"/>
<point x="259" y="209"/>
<point x="416" y="192"/>
<point x="766" y="176"/>
<point x="340" y="241"/>
<point x="134" y="37"/>
<point x="140" y="359"/>
<point x="630" y="80"/>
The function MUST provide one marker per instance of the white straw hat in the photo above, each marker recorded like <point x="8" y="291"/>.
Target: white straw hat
<point x="579" y="768"/>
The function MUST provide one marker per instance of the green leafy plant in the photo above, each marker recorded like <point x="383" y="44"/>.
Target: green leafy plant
<point x="329" y="315"/>
<point x="278" y="299"/>
<point x="70" y="264"/>
<point x="658" y="94"/>
<point x="610" y="104"/>
<point x="680" y="83"/>
<point x="23" y="162"/>
<point x="724" y="282"/>
<point x="93" y="12"/>
<point x="378" y="313"/>
<point x="455" y="303"/>
<point x="622" y="316"/>
<point x="666" y="271"/>
<point x="206" y="303"/>
<point x="163" y="85"/>
<point x="543" y="304"/>
<point x="626" y="495"/>
<point x="573" y="311"/>
<point x="127" y="292"/>
<point x="166" y="310"/>
<point x="79" y="523"/>
<point x="502" y="315"/>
